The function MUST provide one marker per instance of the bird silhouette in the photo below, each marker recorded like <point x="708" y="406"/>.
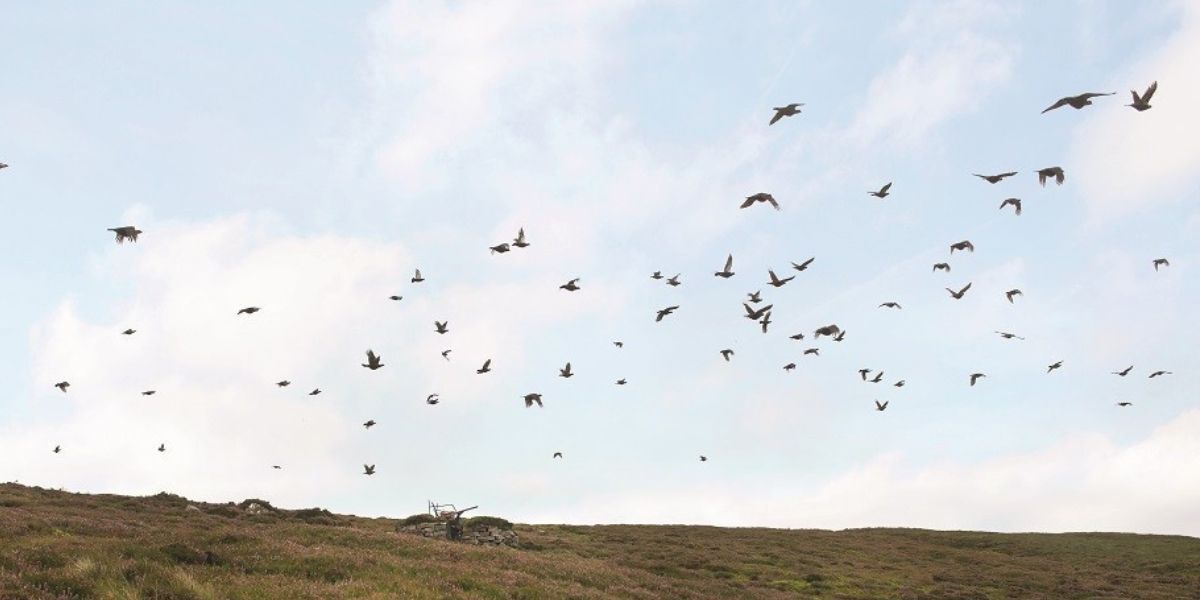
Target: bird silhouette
<point x="441" y="326"/>
<point x="1142" y="102"/>
<point x="975" y="377"/>
<point x="1009" y="336"/>
<point x="395" y="298"/>
<point x="571" y="285"/>
<point x="315" y="392"/>
<point x="890" y="305"/>
<point x="703" y="458"/>
<point x="62" y="386"/>
<point x="368" y="469"/>
<point x="369" y="424"/>
<point x="726" y="353"/>
<point x="446" y="354"/>
<point x="963" y="245"/>
<point x="863" y="373"/>
<point x="1124" y="372"/>
<point x="521" y="242"/>
<point x="432" y="399"/>
<point x="1076" y="102"/>
<point x="813" y="351"/>
<point x="1014" y="202"/>
<point x="727" y="272"/>
<point x="776" y="281"/>
<point x="487" y="367"/>
<point x="839" y="336"/>
<point x="657" y="275"/>
<point x="129" y="332"/>
<point x="1159" y="374"/>
<point x="941" y="267"/>
<point x="249" y="310"/>
<point x="755" y="314"/>
<point x="1055" y="173"/>
<point x="162" y="447"/>
<point x="1124" y="404"/>
<point x="1012" y="293"/>
<point x="959" y="294"/>
<point x="765" y="322"/>
<point x="530" y="399"/>
<point x="621" y="382"/>
<point x="417" y="278"/>
<point x="283" y="383"/>
<point x="1161" y="262"/>
<point x="373" y="361"/>
<point x="565" y="372"/>
<point x="995" y="178"/>
<point x="881" y="407"/>
<point x="883" y="191"/>
<point x="760" y="197"/>
<point x="899" y="383"/>
<point x="830" y="330"/>
<point x="499" y="248"/>
<point x="674" y="281"/>
<point x="664" y="312"/>
<point x="619" y="344"/>
<point x="557" y="455"/>
<point x="789" y="367"/>
<point x="126" y="233"/>
<point x="3" y="166"/>
<point x="149" y="393"/>
<point x="785" y="111"/>
<point x="57" y="449"/>
<point x="276" y="467"/>
<point x="804" y="265"/>
<point x="797" y="336"/>
<point x="1057" y="365"/>
<point x="754" y="297"/>
<point x="878" y="377"/>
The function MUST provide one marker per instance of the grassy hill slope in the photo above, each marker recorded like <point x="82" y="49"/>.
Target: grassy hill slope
<point x="61" y="545"/>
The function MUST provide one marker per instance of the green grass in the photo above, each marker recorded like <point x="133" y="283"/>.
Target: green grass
<point x="61" y="545"/>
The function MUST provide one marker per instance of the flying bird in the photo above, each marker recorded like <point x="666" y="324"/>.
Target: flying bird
<point x="674" y="281"/>
<point x="249" y="310"/>
<point x="959" y="294"/>
<point x="760" y="197"/>
<point x="432" y="399"/>
<point x="1124" y="404"/>
<point x="1057" y="365"/>
<point x="657" y="275"/>
<point x="3" y="166"/>
<point x="785" y="111"/>
<point x="942" y="267"/>
<point x="1142" y="103"/>
<point x="62" y="385"/>
<point x="446" y="354"/>
<point x="521" y="242"/>
<point x="1161" y="262"/>
<point x="829" y="330"/>
<point x="315" y="392"/>
<point x="726" y="353"/>
<point x="557" y="455"/>
<point x="441" y="326"/>
<point x="883" y="191"/>
<point x="531" y="398"/>
<point x="804" y="265"/>
<point x="565" y="372"/>
<point x="789" y="367"/>
<point x="1055" y="173"/>
<point x="703" y="458"/>
<point x="755" y="314"/>
<point x="878" y="377"/>
<point x="57" y="449"/>
<point x="664" y="312"/>
<point x="863" y="373"/>
<point x="995" y="178"/>
<point x="1160" y="374"/>
<point x="1011" y="293"/>
<point x="276" y="467"/>
<point x="499" y="248"/>
<point x="396" y="298"/>
<point x="813" y="351"/>
<point x="1014" y="202"/>
<point x="890" y="305"/>
<point x="162" y="447"/>
<point x="727" y="272"/>
<point x="1009" y="336"/>
<point x="368" y="469"/>
<point x="1124" y="372"/>
<point x="373" y="360"/>
<point x="619" y="344"/>
<point x="149" y="393"/>
<point x="881" y="407"/>
<point x="283" y="383"/>
<point x="621" y="382"/>
<point x="128" y="232"/>
<point x="369" y="424"/>
<point x="841" y="335"/>
<point x="129" y="332"/>
<point x="417" y="277"/>
<point x="487" y="367"/>
<point x="797" y="336"/>
<point x="975" y="377"/>
<point x="963" y="245"/>
<point x="776" y="281"/>
<point x="754" y="297"/>
<point x="570" y="286"/>
<point x="899" y="383"/>
<point x="765" y="321"/>
<point x="1076" y="102"/>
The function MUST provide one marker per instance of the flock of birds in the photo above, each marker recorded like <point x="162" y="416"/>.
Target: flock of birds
<point x="753" y="311"/>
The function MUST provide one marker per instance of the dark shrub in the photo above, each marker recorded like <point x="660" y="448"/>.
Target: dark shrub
<point x="416" y="520"/>
<point x="485" y="521"/>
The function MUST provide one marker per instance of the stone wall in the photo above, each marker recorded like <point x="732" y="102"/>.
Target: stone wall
<point x="482" y="535"/>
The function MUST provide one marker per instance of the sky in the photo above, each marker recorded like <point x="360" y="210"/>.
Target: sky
<point x="306" y="157"/>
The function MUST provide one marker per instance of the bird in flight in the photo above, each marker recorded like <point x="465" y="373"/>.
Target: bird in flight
<point x="432" y="399"/>
<point x="499" y="248"/>
<point x="276" y="467"/>
<point x="813" y="351"/>
<point x="128" y="232"/>
<point x="863" y="373"/>
<point x="657" y="275"/>
<point x="162" y="447"/>
<point x="417" y="277"/>
<point x="890" y="305"/>
<point x="149" y="393"/>
<point x="315" y="392"/>
<point x="62" y="385"/>
<point x="570" y="286"/>
<point x="1124" y="404"/>
<point x="621" y="381"/>
<point x="1055" y="173"/>
<point x="765" y="321"/>
<point x="1014" y="202"/>
<point x="1142" y="103"/>
<point x="878" y="377"/>
<point x="1161" y="262"/>
<point x="881" y="407"/>
<point x="899" y="383"/>
<point x="373" y="360"/>
<point x="1009" y="336"/>
<point x="830" y="330"/>
<point x="1076" y="102"/>
<point x="1160" y="374"/>
<point x="664" y="312"/>
<point x="57" y="449"/>
<point x="959" y="294"/>
<point x="995" y="178"/>
<point x="1011" y="293"/>
<point x="521" y="242"/>
<point x="975" y="377"/>
<point x="1123" y="372"/>
<point x="3" y="166"/>
<point x="565" y="372"/>
<point x="369" y="424"/>
<point x="726" y="353"/>
<point x="249" y="310"/>
<point x="963" y="245"/>
<point x="674" y="281"/>
<point x="841" y="335"/>
<point x="785" y="111"/>
<point x="129" y="332"/>
<point x="619" y="344"/>
<point x="446" y="355"/>
<point x="283" y="383"/>
<point x="804" y="265"/>
<point x="727" y="272"/>
<point x="754" y="297"/>
<point x="776" y="281"/>
<point x="756" y="314"/>
<point x="557" y="455"/>
<point x="703" y="458"/>
<point x="883" y="191"/>
<point x="1057" y="365"/>
<point x="530" y="399"/>
<point x="487" y="367"/>
<point x="789" y="367"/>
<point x="368" y="469"/>
<point x="797" y="336"/>
<point x="760" y="197"/>
<point x="942" y="267"/>
<point x="395" y="298"/>
<point x="441" y="326"/>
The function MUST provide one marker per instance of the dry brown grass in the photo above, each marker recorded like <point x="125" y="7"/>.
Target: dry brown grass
<point x="61" y="545"/>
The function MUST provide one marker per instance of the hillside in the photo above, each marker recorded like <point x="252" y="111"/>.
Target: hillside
<point x="61" y="545"/>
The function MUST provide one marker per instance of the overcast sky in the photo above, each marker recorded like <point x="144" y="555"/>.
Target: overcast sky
<point x="305" y="157"/>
